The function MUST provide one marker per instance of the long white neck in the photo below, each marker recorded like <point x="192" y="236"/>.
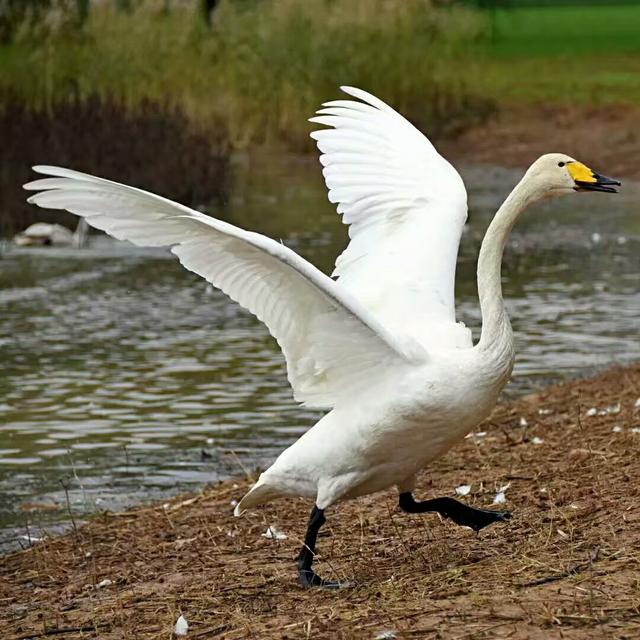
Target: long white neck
<point x="496" y="328"/>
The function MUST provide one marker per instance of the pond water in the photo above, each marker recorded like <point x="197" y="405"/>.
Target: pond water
<point x="125" y="378"/>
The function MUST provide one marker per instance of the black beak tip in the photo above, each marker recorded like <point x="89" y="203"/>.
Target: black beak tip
<point x="602" y="183"/>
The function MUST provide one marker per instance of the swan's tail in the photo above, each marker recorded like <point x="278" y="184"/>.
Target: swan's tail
<point x="260" y="493"/>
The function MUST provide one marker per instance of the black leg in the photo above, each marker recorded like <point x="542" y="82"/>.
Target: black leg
<point x="459" y="512"/>
<point x="308" y="577"/>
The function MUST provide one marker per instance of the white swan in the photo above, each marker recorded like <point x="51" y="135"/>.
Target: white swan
<point x="46" y="233"/>
<point x="380" y="346"/>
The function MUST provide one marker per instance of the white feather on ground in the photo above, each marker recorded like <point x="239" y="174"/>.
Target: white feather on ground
<point x="182" y="627"/>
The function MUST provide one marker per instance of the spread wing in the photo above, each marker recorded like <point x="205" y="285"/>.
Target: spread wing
<point x="330" y="342"/>
<point x="405" y="206"/>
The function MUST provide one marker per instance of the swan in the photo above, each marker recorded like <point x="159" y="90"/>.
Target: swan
<point x="45" y="234"/>
<point x="379" y="346"/>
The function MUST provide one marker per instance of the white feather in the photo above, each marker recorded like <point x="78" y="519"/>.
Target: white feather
<point x="406" y="207"/>
<point x="181" y="627"/>
<point x="331" y="343"/>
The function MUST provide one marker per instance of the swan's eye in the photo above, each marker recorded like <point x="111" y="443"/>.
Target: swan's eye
<point x="561" y="164"/>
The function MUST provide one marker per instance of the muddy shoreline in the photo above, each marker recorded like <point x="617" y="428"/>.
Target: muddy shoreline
<point x="604" y="137"/>
<point x="565" y="566"/>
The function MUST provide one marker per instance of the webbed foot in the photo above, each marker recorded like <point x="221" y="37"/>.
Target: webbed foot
<point x="460" y="513"/>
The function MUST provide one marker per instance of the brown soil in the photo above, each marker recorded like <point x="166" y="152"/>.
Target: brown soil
<point x="605" y="138"/>
<point x="566" y="566"/>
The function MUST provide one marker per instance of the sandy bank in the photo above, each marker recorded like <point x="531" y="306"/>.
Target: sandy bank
<point x="566" y="565"/>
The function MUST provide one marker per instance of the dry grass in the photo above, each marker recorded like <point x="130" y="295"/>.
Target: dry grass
<point x="263" y="68"/>
<point x="566" y="566"/>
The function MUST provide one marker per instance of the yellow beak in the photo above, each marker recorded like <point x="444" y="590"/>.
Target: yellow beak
<point x="588" y="180"/>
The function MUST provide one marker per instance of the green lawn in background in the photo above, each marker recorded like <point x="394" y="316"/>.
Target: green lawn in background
<point x="558" y="29"/>
<point x="561" y="52"/>
<point x="563" y="79"/>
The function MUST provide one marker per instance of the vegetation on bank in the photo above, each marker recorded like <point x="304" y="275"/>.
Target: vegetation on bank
<point x="261" y="68"/>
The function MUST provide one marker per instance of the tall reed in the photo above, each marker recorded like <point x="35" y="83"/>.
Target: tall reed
<point x="262" y="68"/>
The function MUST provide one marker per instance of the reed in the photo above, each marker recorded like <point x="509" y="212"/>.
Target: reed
<point x="262" y="67"/>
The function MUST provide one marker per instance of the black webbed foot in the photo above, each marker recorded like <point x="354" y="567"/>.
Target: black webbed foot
<point x="460" y="513"/>
<point x="476" y="519"/>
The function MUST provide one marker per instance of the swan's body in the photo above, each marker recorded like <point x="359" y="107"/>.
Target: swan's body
<point x="380" y="347"/>
<point x="395" y="428"/>
<point x="46" y="234"/>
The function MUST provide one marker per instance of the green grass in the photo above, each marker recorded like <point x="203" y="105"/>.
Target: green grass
<point x="561" y="53"/>
<point x="565" y="30"/>
<point x="585" y="80"/>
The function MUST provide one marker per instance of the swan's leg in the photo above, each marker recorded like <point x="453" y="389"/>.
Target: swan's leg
<point x="459" y="512"/>
<point x="308" y="577"/>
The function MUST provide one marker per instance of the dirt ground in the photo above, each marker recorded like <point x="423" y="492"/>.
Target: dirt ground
<point x="606" y="138"/>
<point x="566" y="566"/>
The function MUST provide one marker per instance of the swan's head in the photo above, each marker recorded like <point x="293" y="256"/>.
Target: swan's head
<point x="559" y="174"/>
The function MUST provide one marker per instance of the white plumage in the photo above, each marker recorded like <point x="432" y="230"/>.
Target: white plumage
<point x="329" y="340"/>
<point x="405" y="206"/>
<point x="380" y="345"/>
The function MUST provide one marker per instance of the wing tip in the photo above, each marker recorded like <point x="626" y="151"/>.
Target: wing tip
<point x="46" y="169"/>
<point x="367" y="98"/>
<point x="63" y="172"/>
